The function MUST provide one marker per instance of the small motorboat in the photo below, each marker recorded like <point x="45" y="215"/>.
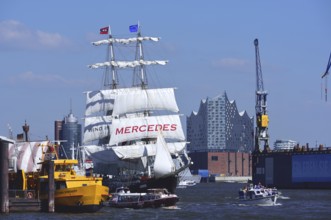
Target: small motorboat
<point x="159" y="197"/>
<point x="153" y="198"/>
<point x="258" y="195"/>
<point x="187" y="183"/>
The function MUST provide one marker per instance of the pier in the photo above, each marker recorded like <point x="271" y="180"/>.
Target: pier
<point x="20" y="200"/>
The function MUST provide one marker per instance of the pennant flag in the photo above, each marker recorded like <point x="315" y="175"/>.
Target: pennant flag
<point x="104" y="30"/>
<point x="133" y="28"/>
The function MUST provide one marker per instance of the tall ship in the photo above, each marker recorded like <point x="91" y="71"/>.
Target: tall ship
<point x="133" y="134"/>
<point x="288" y="168"/>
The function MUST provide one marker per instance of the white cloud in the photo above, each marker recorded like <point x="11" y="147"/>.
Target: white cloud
<point x="232" y="64"/>
<point x="14" y="34"/>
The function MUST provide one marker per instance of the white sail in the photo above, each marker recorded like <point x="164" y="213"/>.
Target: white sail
<point x="97" y="101"/>
<point x="125" y="41"/>
<point x="126" y="64"/>
<point x="128" y="129"/>
<point x="28" y="155"/>
<point x="102" y="100"/>
<point x="145" y="99"/>
<point x="101" y="154"/>
<point x="143" y="150"/>
<point x="97" y="128"/>
<point x="163" y="164"/>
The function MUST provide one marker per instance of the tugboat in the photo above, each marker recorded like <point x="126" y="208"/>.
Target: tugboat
<point x="73" y="193"/>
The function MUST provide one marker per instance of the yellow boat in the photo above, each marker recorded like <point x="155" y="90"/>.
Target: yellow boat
<point x="73" y="193"/>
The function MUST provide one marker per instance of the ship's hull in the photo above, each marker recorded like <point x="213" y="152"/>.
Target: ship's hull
<point x="79" y="199"/>
<point x="293" y="169"/>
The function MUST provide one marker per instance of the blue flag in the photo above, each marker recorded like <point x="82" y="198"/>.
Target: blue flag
<point x="133" y="28"/>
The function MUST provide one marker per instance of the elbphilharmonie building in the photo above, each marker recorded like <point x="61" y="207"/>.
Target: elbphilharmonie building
<point x="218" y="126"/>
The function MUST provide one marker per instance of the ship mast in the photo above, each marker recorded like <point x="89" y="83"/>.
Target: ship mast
<point x="110" y="70"/>
<point x="139" y="72"/>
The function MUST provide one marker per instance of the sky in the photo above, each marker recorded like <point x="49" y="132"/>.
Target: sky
<point x="45" y="48"/>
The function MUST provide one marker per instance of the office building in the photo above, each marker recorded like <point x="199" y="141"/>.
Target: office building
<point x="69" y="133"/>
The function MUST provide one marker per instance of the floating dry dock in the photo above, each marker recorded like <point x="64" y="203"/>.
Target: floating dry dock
<point x="300" y="168"/>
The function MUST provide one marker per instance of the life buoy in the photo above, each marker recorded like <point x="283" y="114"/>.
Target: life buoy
<point x="29" y="195"/>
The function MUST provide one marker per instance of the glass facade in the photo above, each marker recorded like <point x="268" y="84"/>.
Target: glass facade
<point x="71" y="135"/>
<point x="218" y="126"/>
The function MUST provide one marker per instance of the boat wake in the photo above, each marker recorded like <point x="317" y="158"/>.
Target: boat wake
<point x="171" y="208"/>
<point x="269" y="204"/>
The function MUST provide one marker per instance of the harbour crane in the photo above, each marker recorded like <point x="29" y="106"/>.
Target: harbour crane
<point x="325" y="75"/>
<point x="262" y="119"/>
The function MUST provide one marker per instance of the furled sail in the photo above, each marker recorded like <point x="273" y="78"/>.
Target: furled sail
<point x="96" y="128"/>
<point x="163" y="164"/>
<point x="143" y="150"/>
<point x="135" y="100"/>
<point x="128" y="129"/>
<point x="125" y="41"/>
<point x="126" y="64"/>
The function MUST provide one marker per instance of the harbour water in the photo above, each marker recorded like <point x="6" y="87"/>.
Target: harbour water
<point x="212" y="201"/>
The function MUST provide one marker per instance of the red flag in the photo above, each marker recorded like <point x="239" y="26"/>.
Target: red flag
<point x="104" y="30"/>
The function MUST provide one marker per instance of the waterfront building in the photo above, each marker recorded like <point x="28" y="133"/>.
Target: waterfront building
<point x="69" y="133"/>
<point x="220" y="137"/>
<point x="218" y="126"/>
<point x="284" y="144"/>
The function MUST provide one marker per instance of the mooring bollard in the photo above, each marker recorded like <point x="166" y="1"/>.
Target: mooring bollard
<point x="4" y="198"/>
<point x="51" y="205"/>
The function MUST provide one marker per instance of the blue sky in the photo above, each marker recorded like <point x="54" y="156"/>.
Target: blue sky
<point x="45" y="49"/>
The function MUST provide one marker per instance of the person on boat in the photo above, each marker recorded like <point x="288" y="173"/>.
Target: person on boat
<point x="260" y="186"/>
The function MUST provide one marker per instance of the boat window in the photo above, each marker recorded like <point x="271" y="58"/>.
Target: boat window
<point x="60" y="185"/>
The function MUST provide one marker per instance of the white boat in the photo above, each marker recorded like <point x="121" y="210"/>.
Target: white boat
<point x="187" y="183"/>
<point x="258" y="195"/>
<point x="187" y="179"/>
<point x="134" y="134"/>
